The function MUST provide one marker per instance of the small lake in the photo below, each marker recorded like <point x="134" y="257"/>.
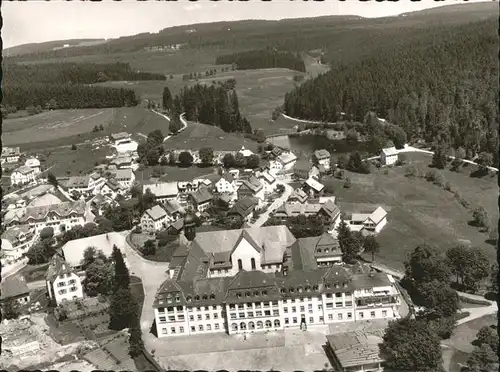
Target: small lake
<point x="309" y="143"/>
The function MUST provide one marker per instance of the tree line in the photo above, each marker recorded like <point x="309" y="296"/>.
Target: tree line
<point x="68" y="85"/>
<point x="266" y="58"/>
<point x="212" y="105"/>
<point x="443" y="90"/>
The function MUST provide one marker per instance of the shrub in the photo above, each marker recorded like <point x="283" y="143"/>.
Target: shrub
<point x="73" y="147"/>
<point x="386" y="172"/>
<point x="473" y="301"/>
<point x="447" y="186"/>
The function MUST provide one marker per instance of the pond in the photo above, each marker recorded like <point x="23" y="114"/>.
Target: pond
<point x="307" y="144"/>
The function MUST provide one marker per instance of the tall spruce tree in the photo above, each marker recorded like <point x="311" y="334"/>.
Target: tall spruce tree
<point x="167" y="101"/>
<point x="122" y="275"/>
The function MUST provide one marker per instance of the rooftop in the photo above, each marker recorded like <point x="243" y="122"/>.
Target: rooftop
<point x="321" y="154"/>
<point x="156" y="213"/>
<point x="390" y="151"/>
<point x="163" y="189"/>
<point x="13" y="286"/>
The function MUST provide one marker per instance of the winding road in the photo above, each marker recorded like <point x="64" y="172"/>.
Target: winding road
<point x="278" y="202"/>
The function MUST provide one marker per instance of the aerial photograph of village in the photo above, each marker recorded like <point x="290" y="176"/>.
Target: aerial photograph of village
<point x="272" y="186"/>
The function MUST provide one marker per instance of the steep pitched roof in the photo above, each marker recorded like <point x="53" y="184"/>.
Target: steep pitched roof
<point x="378" y="215"/>
<point x="357" y="348"/>
<point x="57" y="266"/>
<point x="244" y="206"/>
<point x="156" y="213"/>
<point x="246" y="236"/>
<point x="322" y="154"/>
<point x="202" y="195"/>
<point x="252" y="184"/>
<point x="13" y="286"/>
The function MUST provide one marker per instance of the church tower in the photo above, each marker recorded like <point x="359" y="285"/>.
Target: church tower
<point x="189" y="227"/>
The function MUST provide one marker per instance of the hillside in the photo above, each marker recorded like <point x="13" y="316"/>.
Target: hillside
<point x="443" y="86"/>
<point x="48" y="46"/>
<point x="352" y="36"/>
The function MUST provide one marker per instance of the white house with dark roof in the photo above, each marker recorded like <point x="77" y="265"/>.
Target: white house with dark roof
<point x="122" y="162"/>
<point x="16" y="241"/>
<point x="389" y="156"/>
<point x="298" y="196"/>
<point x="63" y="283"/>
<point x="22" y="175"/>
<point x="174" y="210"/>
<point x="112" y="188"/>
<point x="34" y="164"/>
<point x="313" y="186"/>
<point x="226" y="184"/>
<point x="283" y="163"/>
<point x="252" y="187"/>
<point x="163" y="190"/>
<point x="154" y="219"/>
<point x="322" y="157"/>
<point x="371" y="222"/>
<point x="201" y="199"/>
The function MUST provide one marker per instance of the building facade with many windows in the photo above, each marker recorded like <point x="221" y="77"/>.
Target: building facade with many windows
<point x="221" y="282"/>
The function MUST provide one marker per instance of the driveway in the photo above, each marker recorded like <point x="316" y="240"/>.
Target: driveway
<point x="278" y="202"/>
<point x="181" y="117"/>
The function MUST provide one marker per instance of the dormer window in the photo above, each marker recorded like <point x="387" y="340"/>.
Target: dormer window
<point x="205" y="297"/>
<point x="196" y="298"/>
<point x="283" y="290"/>
<point x="264" y="293"/>
<point x="327" y="285"/>
<point x="188" y="298"/>
<point x="212" y="296"/>
<point x="247" y="294"/>
<point x="337" y="285"/>
<point x="292" y="290"/>
<point x="327" y="250"/>
<point x="256" y="293"/>
<point x="238" y="294"/>
<point x="307" y="288"/>
<point x="300" y="289"/>
<point x="315" y="287"/>
<point x="177" y="299"/>
<point x="319" y="250"/>
<point x="345" y="285"/>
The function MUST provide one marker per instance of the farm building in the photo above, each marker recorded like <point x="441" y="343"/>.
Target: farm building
<point x="370" y="222"/>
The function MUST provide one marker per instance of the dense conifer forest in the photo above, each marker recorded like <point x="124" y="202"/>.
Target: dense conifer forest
<point x="67" y="85"/>
<point x="256" y="59"/>
<point x="212" y="105"/>
<point x="442" y="89"/>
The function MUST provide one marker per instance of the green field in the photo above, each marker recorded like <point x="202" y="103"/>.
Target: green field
<point x="419" y="211"/>
<point x="170" y="173"/>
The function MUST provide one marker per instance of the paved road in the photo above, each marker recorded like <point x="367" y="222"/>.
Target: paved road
<point x="181" y="117"/>
<point x="36" y="284"/>
<point x="278" y="202"/>
<point x="153" y="274"/>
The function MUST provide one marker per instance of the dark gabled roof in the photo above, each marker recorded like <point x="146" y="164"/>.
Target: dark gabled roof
<point x="13" y="286"/>
<point x="251" y="279"/>
<point x="244" y="206"/>
<point x="58" y="266"/>
<point x="302" y="165"/>
<point x="331" y="209"/>
<point x="252" y="184"/>
<point x="202" y="195"/>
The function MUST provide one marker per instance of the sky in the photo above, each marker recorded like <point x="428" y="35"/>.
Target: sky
<point x="35" y="21"/>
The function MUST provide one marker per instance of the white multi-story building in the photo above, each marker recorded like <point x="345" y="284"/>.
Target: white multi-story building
<point x="163" y="191"/>
<point x="154" y="219"/>
<point x="262" y="279"/>
<point x="22" y="175"/>
<point x="370" y="222"/>
<point x="123" y="142"/>
<point x="63" y="284"/>
<point x="112" y="189"/>
<point x="60" y="217"/>
<point x="16" y="241"/>
<point x="268" y="181"/>
<point x="34" y="164"/>
<point x="226" y="184"/>
<point x="86" y="185"/>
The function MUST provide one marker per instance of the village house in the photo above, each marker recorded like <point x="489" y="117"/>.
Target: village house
<point x="283" y="163"/>
<point x="268" y="181"/>
<point x="302" y="169"/>
<point x="63" y="283"/>
<point x="188" y="186"/>
<point x="322" y="157"/>
<point x="60" y="217"/>
<point x="14" y="288"/>
<point x="356" y="351"/>
<point x="100" y="202"/>
<point x="298" y="196"/>
<point x="85" y="185"/>
<point x="118" y="138"/>
<point x="173" y="209"/>
<point x="44" y="199"/>
<point x="244" y="208"/>
<point x="245" y="152"/>
<point x="368" y="222"/>
<point x="22" y="175"/>
<point x="233" y="281"/>
<point x="163" y="191"/>
<point x="124" y="177"/>
<point x="389" y="156"/>
<point x="252" y="187"/>
<point x="122" y="162"/>
<point x="313" y="187"/>
<point x="201" y="199"/>
<point x="10" y="155"/>
<point x="154" y="219"/>
<point x="16" y="241"/>
<point x="226" y="184"/>
<point x="328" y="210"/>
<point x="123" y="142"/>
<point x="112" y="189"/>
<point x="34" y="164"/>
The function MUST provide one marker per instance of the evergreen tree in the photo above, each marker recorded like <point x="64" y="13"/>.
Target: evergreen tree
<point x="122" y="275"/>
<point x="123" y="310"/>
<point x="167" y="101"/>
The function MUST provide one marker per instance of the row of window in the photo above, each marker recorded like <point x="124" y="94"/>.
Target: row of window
<point x="258" y="313"/>
<point x="251" y="305"/>
<point x="70" y="282"/>
<point x="200" y="328"/>
<point x="64" y="291"/>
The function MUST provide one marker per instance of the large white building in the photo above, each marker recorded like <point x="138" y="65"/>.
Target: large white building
<point x="154" y="219"/>
<point x="10" y="155"/>
<point x="63" y="283"/>
<point x="124" y="177"/>
<point x="16" y="241"/>
<point x="254" y="280"/>
<point x="226" y="184"/>
<point x="60" y="217"/>
<point x="22" y="175"/>
<point x="86" y="185"/>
